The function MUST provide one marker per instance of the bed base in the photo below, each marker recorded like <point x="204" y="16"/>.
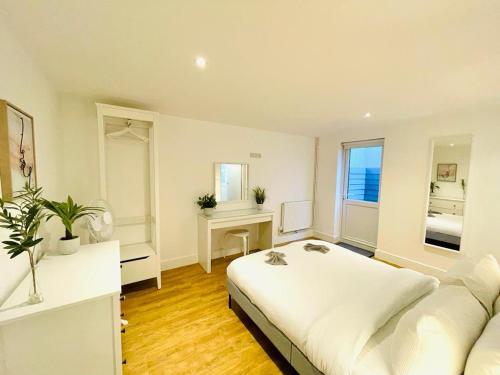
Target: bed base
<point x="442" y="239"/>
<point x="291" y="353"/>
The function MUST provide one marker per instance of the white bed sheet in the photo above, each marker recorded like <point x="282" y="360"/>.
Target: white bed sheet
<point x="293" y="297"/>
<point x="375" y="357"/>
<point x="446" y="224"/>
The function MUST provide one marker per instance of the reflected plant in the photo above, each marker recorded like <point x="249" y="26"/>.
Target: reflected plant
<point x="434" y="186"/>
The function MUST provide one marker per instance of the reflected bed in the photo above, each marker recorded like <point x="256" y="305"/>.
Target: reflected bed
<point x="444" y="230"/>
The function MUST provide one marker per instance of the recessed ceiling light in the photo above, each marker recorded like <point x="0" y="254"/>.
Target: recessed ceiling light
<point x="367" y="115"/>
<point x="452" y="144"/>
<point x="201" y="62"/>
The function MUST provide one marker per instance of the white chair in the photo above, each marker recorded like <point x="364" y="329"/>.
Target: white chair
<point x="240" y="233"/>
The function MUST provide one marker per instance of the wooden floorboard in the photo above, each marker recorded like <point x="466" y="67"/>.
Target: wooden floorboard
<point x="187" y="328"/>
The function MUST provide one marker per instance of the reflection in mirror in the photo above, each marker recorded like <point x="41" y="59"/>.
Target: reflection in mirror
<point x="448" y="191"/>
<point x="231" y="182"/>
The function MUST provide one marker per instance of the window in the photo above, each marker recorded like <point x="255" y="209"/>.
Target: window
<point x="364" y="173"/>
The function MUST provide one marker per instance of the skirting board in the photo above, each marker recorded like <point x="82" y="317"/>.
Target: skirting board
<point x="294" y="236"/>
<point x="409" y="263"/>
<point x="326" y="237"/>
<point x="168" y="264"/>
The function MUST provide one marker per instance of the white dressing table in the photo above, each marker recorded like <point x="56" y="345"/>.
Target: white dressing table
<point x="230" y="219"/>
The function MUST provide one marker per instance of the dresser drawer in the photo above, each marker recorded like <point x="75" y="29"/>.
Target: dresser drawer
<point x="138" y="269"/>
<point x="447" y="206"/>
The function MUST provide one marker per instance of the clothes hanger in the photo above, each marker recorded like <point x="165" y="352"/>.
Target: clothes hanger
<point x="127" y="131"/>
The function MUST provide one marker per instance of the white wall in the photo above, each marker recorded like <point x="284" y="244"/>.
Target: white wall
<point x="458" y="154"/>
<point x="405" y="179"/>
<point x="187" y="151"/>
<point x="22" y="84"/>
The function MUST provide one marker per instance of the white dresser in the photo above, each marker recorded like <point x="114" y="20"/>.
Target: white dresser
<point x="452" y="206"/>
<point x="76" y="329"/>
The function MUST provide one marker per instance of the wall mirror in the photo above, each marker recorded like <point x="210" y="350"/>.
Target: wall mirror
<point x="448" y="191"/>
<point x="231" y="182"/>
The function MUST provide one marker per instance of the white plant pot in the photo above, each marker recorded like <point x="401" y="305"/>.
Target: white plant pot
<point x="67" y="247"/>
<point x="260" y="206"/>
<point x="208" y="211"/>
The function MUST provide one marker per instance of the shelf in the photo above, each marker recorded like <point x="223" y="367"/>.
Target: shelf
<point x="136" y="220"/>
<point x="135" y="251"/>
<point x="235" y="213"/>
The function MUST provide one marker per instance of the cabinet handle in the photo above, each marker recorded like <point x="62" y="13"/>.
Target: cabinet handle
<point x="124" y="362"/>
<point x="123" y="330"/>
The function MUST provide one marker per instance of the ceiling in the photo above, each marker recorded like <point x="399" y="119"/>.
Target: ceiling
<point x="306" y="67"/>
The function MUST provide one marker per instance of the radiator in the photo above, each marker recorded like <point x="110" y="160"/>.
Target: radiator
<point x="296" y="216"/>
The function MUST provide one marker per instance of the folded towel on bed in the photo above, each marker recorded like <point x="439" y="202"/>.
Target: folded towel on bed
<point x="276" y="258"/>
<point x="320" y="248"/>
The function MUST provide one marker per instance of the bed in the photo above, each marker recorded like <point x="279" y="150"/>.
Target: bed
<point x="314" y="308"/>
<point x="444" y="229"/>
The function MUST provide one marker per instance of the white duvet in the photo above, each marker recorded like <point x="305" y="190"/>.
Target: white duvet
<point x="446" y="224"/>
<point x="328" y="305"/>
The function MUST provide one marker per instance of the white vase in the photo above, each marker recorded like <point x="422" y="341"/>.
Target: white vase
<point x="260" y="206"/>
<point x="208" y="211"/>
<point x="67" y="247"/>
<point x="35" y="295"/>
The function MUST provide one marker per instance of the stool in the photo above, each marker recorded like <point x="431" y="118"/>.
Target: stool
<point x="240" y="233"/>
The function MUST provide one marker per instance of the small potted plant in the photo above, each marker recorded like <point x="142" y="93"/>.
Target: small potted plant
<point x="434" y="186"/>
<point x="207" y="203"/>
<point x="260" y="196"/>
<point x="68" y="212"/>
<point x="22" y="217"/>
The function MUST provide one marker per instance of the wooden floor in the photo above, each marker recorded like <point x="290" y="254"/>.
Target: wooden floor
<point x="187" y="328"/>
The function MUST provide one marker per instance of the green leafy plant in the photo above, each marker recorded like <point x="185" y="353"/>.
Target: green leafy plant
<point x="22" y="216"/>
<point x="434" y="186"/>
<point x="68" y="212"/>
<point x="260" y="194"/>
<point x="207" y="201"/>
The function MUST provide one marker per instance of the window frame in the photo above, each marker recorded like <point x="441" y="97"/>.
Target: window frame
<point x="347" y="147"/>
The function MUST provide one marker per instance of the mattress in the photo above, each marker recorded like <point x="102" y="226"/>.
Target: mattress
<point x="293" y="297"/>
<point x="446" y="224"/>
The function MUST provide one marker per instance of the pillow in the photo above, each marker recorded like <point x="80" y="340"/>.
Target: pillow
<point x="496" y="307"/>
<point x="436" y="336"/>
<point x="480" y="275"/>
<point x="484" y="359"/>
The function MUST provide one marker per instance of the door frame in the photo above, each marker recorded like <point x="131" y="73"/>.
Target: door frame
<point x="346" y="147"/>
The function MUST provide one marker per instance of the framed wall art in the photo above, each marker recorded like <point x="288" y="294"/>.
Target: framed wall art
<point x="17" y="149"/>
<point x="447" y="172"/>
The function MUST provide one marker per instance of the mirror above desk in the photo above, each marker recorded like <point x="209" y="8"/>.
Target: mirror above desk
<point x="449" y="171"/>
<point x="231" y="182"/>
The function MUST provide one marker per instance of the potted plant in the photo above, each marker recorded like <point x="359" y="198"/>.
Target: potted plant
<point x="434" y="186"/>
<point x="68" y="212"/>
<point x="22" y="217"/>
<point x="260" y="196"/>
<point x="207" y="203"/>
